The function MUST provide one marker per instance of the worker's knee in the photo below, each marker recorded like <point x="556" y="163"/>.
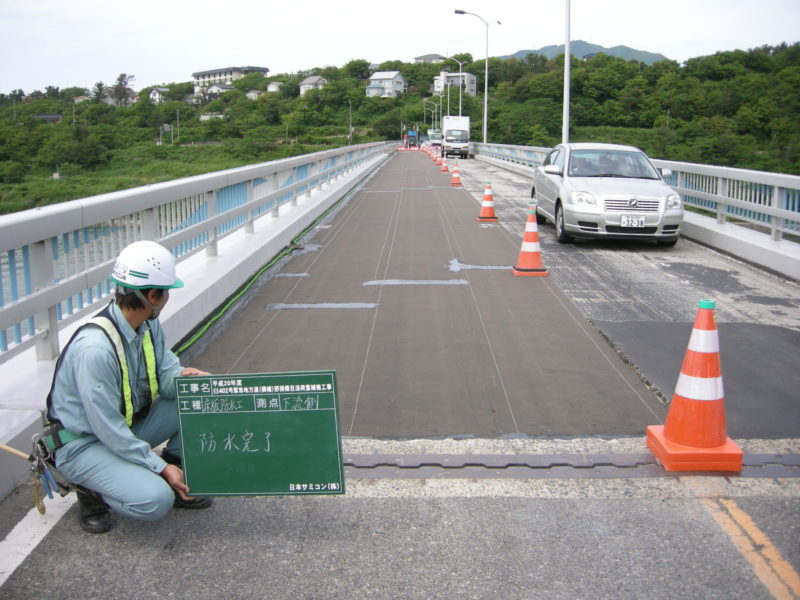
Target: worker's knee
<point x="151" y="504"/>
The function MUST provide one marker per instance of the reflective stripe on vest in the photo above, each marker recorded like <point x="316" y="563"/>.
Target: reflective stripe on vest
<point x="110" y="329"/>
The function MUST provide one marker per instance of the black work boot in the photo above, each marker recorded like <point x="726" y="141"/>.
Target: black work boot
<point x="194" y="503"/>
<point x="94" y="515"/>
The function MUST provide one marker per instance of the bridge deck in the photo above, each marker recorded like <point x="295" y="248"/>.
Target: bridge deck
<point x="413" y="302"/>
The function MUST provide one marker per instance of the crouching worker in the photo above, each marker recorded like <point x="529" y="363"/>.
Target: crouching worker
<point x="113" y="400"/>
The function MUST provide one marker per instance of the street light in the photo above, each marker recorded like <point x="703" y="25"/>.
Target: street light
<point x="460" y="84"/>
<point x="565" y="108"/>
<point x="435" y="107"/>
<point x="486" y="71"/>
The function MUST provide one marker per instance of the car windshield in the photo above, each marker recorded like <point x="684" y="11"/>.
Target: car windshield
<point x="457" y="135"/>
<point x="610" y="163"/>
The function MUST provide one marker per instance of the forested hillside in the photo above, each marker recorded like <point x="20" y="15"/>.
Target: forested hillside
<point x="739" y="108"/>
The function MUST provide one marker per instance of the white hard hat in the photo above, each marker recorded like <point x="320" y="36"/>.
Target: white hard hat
<point x="144" y="265"/>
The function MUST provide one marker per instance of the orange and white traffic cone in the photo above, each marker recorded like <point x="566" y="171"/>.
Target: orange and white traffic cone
<point x="694" y="436"/>
<point x="487" y="206"/>
<point x="529" y="263"/>
<point x="455" y="180"/>
<point x="444" y="165"/>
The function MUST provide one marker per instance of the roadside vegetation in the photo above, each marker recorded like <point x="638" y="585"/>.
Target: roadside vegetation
<point x="738" y="109"/>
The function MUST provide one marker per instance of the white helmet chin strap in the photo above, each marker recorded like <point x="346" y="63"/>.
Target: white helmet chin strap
<point x="156" y="309"/>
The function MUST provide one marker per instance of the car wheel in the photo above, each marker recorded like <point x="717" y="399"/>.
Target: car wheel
<point x="561" y="235"/>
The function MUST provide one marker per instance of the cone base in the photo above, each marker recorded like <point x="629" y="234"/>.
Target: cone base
<point x="677" y="457"/>
<point x="487" y="219"/>
<point x="529" y="272"/>
<point x="455" y="184"/>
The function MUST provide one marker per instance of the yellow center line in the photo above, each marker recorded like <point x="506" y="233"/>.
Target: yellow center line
<point x="777" y="575"/>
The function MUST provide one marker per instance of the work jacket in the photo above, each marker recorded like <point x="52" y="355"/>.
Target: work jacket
<point x="89" y="397"/>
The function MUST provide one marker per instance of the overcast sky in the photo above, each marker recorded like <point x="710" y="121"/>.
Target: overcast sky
<point x="68" y="43"/>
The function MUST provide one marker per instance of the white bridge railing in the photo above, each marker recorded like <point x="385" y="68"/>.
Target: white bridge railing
<point x="767" y="200"/>
<point x="54" y="260"/>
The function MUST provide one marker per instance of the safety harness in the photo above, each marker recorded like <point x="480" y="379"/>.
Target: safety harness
<point x="55" y="435"/>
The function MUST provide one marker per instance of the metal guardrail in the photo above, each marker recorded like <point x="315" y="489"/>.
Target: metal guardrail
<point x="767" y="200"/>
<point x="54" y="260"/>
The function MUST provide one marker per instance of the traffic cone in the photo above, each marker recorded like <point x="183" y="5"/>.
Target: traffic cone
<point x="529" y="263"/>
<point x="455" y="180"/>
<point x="487" y="206"/>
<point x="444" y="166"/>
<point x="694" y="436"/>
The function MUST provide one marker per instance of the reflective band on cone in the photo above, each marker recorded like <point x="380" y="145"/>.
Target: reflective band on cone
<point x="694" y="436"/>
<point x="529" y="263"/>
<point x="455" y="180"/>
<point x="487" y="206"/>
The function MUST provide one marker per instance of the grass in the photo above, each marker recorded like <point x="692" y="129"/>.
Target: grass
<point x="138" y="165"/>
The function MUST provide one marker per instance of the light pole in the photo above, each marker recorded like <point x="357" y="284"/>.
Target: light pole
<point x="486" y="71"/>
<point x="350" y="124"/>
<point x="565" y="111"/>
<point x="435" y="106"/>
<point x="460" y="83"/>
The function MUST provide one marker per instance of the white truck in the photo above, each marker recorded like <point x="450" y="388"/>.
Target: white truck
<point x="455" y="136"/>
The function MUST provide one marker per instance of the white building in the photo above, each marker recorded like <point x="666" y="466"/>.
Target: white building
<point x="315" y="82"/>
<point x="386" y="84"/>
<point x="430" y="58"/>
<point x="204" y="79"/>
<point x="254" y="94"/>
<point x="158" y="95"/>
<point x="444" y="80"/>
<point x="274" y="86"/>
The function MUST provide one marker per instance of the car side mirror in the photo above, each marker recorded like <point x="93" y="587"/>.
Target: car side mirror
<point x="666" y="172"/>
<point x="552" y="170"/>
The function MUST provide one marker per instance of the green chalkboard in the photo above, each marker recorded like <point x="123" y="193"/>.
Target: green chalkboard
<point x="261" y="434"/>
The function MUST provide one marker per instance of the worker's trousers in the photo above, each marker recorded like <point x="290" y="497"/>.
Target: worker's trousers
<point x="129" y="489"/>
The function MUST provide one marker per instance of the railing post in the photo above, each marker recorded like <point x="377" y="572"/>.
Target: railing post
<point x="273" y="185"/>
<point x="777" y="234"/>
<point x="293" y="201"/>
<point x="150" y="229"/>
<point x="211" y="200"/>
<point x="248" y="226"/>
<point x="722" y="192"/>
<point x="42" y="274"/>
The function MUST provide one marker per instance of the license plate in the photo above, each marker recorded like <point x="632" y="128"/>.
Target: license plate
<point x="632" y="221"/>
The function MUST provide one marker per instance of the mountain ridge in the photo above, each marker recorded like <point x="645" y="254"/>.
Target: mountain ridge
<point x="580" y="48"/>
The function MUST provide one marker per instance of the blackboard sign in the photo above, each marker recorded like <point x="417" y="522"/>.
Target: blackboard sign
<point x="261" y="434"/>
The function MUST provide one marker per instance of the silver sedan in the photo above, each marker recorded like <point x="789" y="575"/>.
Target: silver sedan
<point x="606" y="190"/>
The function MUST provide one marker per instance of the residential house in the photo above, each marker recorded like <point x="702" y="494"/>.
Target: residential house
<point x="158" y="95"/>
<point x="217" y="89"/>
<point x="315" y="82"/>
<point x="446" y="80"/>
<point x="274" y="86"/>
<point x="254" y="94"/>
<point x="386" y="84"/>
<point x="430" y="58"/>
<point x="205" y="79"/>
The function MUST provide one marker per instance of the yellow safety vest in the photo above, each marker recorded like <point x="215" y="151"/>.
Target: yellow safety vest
<point x="110" y="328"/>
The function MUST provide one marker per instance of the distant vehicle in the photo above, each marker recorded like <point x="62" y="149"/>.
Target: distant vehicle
<point x="455" y="134"/>
<point x="606" y="191"/>
<point x="435" y="137"/>
<point x="412" y="140"/>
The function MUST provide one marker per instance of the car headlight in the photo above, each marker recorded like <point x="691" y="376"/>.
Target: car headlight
<point x="674" y="202"/>
<point x="583" y="199"/>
